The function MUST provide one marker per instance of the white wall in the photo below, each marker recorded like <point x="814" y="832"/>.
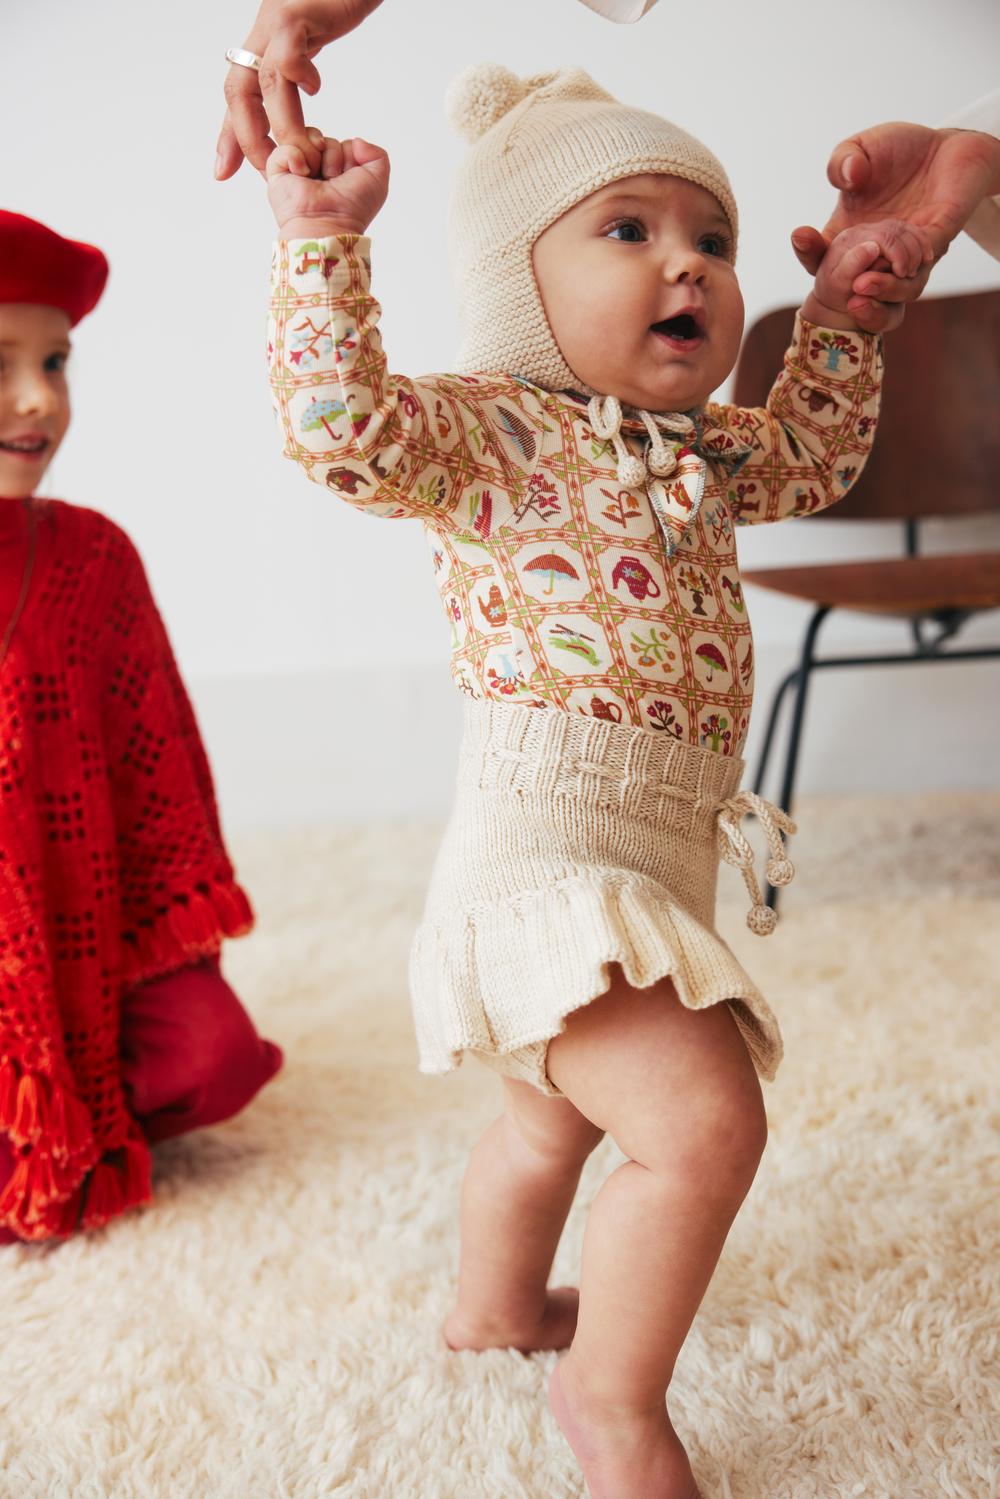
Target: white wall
<point x="109" y="113"/>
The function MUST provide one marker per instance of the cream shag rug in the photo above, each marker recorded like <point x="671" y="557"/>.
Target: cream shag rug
<point x="270" y="1327"/>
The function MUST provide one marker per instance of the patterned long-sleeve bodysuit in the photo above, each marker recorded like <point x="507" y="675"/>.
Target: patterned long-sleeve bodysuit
<point x="562" y="588"/>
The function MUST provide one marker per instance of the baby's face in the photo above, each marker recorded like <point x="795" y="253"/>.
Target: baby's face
<point x="34" y="397"/>
<point x="641" y="295"/>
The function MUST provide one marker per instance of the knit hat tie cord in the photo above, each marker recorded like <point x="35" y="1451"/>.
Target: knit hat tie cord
<point x="605" y="416"/>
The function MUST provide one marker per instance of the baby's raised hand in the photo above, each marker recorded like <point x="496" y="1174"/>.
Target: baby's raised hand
<point x="350" y="187"/>
<point x="889" y="245"/>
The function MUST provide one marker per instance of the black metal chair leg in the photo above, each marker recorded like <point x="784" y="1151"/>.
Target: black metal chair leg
<point x="802" y="675"/>
<point x="765" y="750"/>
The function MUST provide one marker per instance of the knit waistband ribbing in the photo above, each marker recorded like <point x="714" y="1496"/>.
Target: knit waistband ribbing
<point x="542" y="751"/>
<point x="510" y="750"/>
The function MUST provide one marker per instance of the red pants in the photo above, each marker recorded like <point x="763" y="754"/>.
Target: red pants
<point x="190" y="1057"/>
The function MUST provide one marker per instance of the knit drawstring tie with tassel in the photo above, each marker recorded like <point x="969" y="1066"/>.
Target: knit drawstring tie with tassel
<point x="605" y="416"/>
<point x="735" y="849"/>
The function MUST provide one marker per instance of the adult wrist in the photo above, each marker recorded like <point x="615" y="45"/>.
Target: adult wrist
<point x="989" y="143"/>
<point x="319" y="228"/>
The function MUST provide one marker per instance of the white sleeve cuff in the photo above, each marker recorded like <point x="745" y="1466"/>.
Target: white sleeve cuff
<point x="983" y="115"/>
<point x="621" y="10"/>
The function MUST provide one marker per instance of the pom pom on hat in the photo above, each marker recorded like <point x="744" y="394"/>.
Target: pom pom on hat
<point x="40" y="267"/>
<point x="481" y="95"/>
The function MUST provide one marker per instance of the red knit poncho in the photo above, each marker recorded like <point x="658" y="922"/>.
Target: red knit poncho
<point x="112" y="867"/>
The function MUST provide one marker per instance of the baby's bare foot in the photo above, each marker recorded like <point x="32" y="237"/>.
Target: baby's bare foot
<point x="622" y="1453"/>
<point x="553" y="1329"/>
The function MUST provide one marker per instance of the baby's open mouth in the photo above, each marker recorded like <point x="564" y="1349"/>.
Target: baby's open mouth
<point x="684" y="328"/>
<point x="27" y="447"/>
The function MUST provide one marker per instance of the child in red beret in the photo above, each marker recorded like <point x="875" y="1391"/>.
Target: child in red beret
<point x="117" y="1029"/>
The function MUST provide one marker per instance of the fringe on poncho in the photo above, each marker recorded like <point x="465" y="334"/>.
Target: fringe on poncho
<point x="112" y="865"/>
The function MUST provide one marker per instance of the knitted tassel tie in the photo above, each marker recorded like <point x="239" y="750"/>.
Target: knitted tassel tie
<point x="735" y="849"/>
<point x="605" y="416"/>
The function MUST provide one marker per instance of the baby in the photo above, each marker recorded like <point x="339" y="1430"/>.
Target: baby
<point x="117" y="1029"/>
<point x="579" y="492"/>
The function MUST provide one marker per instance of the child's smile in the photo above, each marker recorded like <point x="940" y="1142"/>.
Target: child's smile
<point x="34" y="398"/>
<point x="638" y="285"/>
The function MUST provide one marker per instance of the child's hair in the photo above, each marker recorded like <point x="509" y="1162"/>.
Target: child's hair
<point x="541" y="145"/>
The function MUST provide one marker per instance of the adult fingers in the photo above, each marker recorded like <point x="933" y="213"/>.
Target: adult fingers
<point x="849" y="169"/>
<point x="283" y="107"/>
<point x="288" y="52"/>
<point x="228" y="156"/>
<point x="810" y="247"/>
<point x="245" y="129"/>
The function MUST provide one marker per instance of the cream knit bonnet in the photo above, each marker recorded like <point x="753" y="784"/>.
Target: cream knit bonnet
<point x="540" y="145"/>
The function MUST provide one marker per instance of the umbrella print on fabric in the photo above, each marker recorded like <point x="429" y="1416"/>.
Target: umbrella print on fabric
<point x="321" y="413"/>
<point x="551" y="563"/>
<point x="712" y="657"/>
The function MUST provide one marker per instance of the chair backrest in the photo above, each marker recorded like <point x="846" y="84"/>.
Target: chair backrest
<point x="937" y="449"/>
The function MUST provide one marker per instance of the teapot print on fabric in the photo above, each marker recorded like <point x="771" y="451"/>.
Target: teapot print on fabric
<point x="494" y="609"/>
<point x="816" y="400"/>
<point x="610" y="712"/>
<point x="637" y="578"/>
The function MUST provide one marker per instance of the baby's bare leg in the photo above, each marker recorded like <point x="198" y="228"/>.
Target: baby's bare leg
<point x="518" y="1189"/>
<point x="677" y="1090"/>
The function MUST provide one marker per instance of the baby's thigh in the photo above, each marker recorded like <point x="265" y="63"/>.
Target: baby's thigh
<point x="672" y="1086"/>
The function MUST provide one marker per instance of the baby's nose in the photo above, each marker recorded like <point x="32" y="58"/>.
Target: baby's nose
<point x="687" y="268"/>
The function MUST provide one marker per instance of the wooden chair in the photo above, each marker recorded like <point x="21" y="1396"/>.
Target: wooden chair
<point x="937" y="453"/>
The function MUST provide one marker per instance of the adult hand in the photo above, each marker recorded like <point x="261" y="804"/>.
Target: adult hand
<point x="934" y="179"/>
<point x="286" y="35"/>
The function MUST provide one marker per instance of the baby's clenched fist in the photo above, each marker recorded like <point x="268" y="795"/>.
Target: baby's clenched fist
<point x="347" y="192"/>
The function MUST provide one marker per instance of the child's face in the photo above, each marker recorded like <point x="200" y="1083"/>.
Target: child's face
<point x="618" y="266"/>
<point x="34" y="398"/>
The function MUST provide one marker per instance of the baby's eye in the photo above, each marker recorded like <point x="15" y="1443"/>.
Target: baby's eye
<point x="714" y="244"/>
<point x="627" y="231"/>
<point x="56" y="363"/>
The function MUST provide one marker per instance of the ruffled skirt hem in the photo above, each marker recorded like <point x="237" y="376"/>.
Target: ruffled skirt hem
<point x="478" y="986"/>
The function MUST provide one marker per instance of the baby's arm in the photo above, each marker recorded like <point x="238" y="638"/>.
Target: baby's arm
<point x="810" y="442"/>
<point x="439" y="448"/>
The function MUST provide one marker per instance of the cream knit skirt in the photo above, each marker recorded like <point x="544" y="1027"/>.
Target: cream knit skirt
<point x="575" y="843"/>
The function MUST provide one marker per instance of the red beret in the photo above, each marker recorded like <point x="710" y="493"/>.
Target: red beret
<point x="39" y="266"/>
